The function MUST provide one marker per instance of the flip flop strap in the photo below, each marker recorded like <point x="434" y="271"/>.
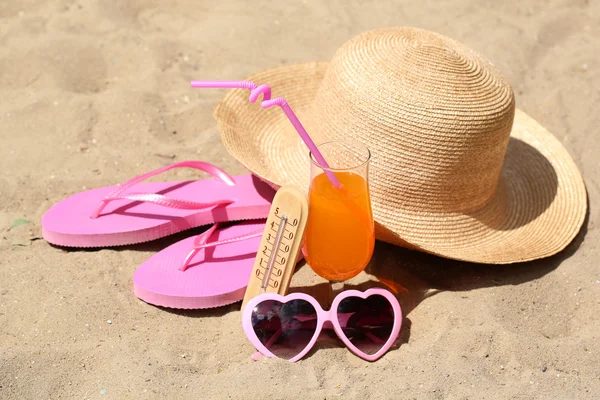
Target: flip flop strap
<point x="160" y="199"/>
<point x="201" y="242"/>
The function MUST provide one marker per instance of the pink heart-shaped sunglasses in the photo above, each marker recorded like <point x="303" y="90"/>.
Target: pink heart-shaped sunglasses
<point x="288" y="326"/>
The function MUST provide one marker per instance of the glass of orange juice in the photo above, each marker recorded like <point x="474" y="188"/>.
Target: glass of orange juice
<point x="340" y="233"/>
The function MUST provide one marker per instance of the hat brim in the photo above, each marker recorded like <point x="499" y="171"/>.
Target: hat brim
<point x="538" y="209"/>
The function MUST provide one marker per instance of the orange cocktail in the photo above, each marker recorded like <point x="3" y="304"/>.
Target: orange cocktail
<point x="340" y="235"/>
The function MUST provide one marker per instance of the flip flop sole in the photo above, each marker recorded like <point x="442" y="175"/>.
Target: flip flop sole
<point x="215" y="277"/>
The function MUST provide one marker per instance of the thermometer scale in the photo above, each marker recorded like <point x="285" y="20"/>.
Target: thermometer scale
<point x="280" y="244"/>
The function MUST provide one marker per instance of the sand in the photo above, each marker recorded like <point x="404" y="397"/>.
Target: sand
<point x="95" y="92"/>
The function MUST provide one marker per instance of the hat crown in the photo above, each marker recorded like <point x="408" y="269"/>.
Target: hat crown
<point x="436" y="116"/>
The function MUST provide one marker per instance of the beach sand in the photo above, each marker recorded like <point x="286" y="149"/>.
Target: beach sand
<point x="95" y="92"/>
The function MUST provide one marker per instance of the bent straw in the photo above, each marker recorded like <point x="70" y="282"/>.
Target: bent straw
<point x="265" y="90"/>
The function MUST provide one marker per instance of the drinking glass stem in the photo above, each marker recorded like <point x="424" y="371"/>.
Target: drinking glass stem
<point x="335" y="287"/>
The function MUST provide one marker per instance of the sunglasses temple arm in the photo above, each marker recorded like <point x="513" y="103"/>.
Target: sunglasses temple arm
<point x="343" y="321"/>
<point x="374" y="338"/>
<point x="258" y="355"/>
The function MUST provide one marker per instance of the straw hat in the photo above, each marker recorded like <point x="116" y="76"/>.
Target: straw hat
<point x="456" y="170"/>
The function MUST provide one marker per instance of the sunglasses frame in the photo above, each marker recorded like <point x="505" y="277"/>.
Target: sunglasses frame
<point x="322" y="317"/>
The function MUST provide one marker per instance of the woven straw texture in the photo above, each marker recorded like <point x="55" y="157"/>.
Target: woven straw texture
<point x="456" y="170"/>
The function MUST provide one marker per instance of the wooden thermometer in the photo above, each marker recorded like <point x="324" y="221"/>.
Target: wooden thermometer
<point x="280" y="244"/>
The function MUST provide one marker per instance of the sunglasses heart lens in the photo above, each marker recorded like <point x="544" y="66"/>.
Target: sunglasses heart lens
<point x="285" y="329"/>
<point x="367" y="323"/>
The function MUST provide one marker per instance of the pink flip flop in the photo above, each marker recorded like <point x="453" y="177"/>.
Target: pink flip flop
<point x="115" y="216"/>
<point x="206" y="271"/>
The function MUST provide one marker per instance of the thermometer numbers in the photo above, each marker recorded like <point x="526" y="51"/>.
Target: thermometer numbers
<point x="284" y="246"/>
<point x="293" y="223"/>
<point x="277" y="272"/>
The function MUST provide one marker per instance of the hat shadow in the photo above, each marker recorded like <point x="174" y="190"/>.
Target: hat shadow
<point x="525" y="191"/>
<point x="520" y="192"/>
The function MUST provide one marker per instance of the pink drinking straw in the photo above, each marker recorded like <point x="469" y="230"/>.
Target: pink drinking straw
<point x="265" y="90"/>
